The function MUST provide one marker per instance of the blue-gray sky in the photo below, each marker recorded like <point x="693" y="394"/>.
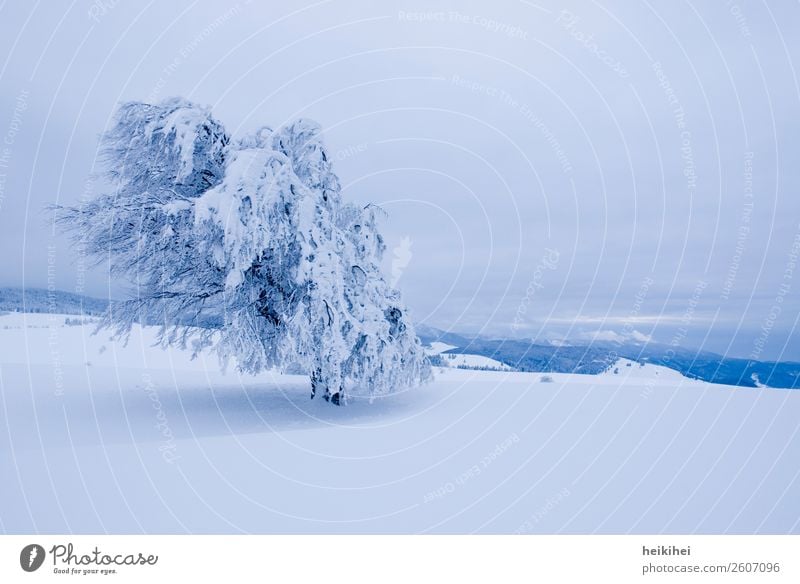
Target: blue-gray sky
<point x="550" y="170"/>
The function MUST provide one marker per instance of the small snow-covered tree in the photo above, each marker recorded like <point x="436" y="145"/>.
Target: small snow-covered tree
<point x="250" y="243"/>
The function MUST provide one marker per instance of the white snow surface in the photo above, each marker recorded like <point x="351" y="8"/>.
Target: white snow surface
<point x="438" y="347"/>
<point x="466" y="360"/>
<point x="99" y="437"/>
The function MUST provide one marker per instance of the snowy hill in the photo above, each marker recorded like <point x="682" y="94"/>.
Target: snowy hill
<point x="443" y="357"/>
<point x="502" y="354"/>
<point x="98" y="436"/>
<point x="36" y="300"/>
<point x="477" y="362"/>
<point x="598" y="356"/>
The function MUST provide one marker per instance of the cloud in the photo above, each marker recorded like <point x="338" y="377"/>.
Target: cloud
<point x="613" y="336"/>
<point x="628" y="320"/>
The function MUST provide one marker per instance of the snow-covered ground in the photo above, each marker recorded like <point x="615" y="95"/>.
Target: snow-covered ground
<point x="437" y="348"/>
<point x="464" y="360"/>
<point x="97" y="437"/>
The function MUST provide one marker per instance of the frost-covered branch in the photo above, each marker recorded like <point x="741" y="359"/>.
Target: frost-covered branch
<point x="248" y="247"/>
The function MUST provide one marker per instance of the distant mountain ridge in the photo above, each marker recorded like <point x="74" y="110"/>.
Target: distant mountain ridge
<point x="40" y="300"/>
<point x="598" y="356"/>
<point x="53" y="301"/>
<point x="590" y="358"/>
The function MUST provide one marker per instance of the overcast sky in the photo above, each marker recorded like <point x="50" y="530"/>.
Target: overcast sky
<point x="549" y="170"/>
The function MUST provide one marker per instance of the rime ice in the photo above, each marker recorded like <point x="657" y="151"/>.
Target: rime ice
<point x="250" y="243"/>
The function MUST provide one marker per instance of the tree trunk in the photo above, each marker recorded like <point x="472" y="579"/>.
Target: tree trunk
<point x="315" y="375"/>
<point x="316" y="384"/>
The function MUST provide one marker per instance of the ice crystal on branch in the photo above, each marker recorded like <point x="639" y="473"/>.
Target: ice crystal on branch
<point x="248" y="247"/>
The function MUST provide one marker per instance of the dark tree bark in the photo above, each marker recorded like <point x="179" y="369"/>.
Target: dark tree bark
<point x="334" y="398"/>
<point x="315" y="375"/>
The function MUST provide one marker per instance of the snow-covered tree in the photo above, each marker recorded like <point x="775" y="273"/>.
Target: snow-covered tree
<point x="251" y="244"/>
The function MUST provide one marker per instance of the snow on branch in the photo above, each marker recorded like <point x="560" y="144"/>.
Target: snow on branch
<point x="248" y="247"/>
